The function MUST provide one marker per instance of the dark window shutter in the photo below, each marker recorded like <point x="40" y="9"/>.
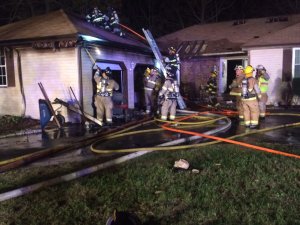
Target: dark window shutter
<point x="11" y="81"/>
<point x="287" y="65"/>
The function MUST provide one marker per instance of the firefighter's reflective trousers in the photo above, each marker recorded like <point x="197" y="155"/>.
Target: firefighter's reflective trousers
<point x="251" y="111"/>
<point x="104" y="105"/>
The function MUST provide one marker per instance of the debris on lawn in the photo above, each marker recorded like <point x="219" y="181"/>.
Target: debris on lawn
<point x="181" y="164"/>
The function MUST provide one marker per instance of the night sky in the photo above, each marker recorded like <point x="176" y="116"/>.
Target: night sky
<point x="160" y="16"/>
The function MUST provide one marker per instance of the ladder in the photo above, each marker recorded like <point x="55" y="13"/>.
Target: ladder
<point x="159" y="58"/>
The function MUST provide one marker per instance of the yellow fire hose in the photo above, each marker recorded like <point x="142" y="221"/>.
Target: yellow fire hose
<point x="126" y="132"/>
<point x="183" y="147"/>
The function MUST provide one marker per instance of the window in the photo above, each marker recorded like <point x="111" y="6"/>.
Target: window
<point x="3" y="71"/>
<point x="296" y="63"/>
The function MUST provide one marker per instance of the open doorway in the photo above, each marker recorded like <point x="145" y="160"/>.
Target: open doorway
<point x="231" y="72"/>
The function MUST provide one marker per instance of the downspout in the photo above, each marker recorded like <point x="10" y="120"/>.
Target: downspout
<point x="79" y="61"/>
<point x="21" y="82"/>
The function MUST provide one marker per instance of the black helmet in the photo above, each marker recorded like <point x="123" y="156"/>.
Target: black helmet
<point x="108" y="71"/>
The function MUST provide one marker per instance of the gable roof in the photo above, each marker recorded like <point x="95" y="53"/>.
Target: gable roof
<point x="227" y="37"/>
<point x="289" y="36"/>
<point x="59" y="24"/>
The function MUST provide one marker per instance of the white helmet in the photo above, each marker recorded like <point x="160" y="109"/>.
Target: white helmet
<point x="260" y="67"/>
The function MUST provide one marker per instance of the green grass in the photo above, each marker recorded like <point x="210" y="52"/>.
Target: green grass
<point x="235" y="186"/>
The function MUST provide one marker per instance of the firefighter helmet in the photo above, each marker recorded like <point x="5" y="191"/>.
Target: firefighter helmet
<point x="239" y="67"/>
<point x="213" y="73"/>
<point x="147" y="70"/>
<point x="249" y="71"/>
<point x="155" y="69"/>
<point x="108" y="71"/>
<point x="172" y="49"/>
<point x="260" y="67"/>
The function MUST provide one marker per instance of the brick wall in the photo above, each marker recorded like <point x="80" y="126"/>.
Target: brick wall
<point x="194" y="74"/>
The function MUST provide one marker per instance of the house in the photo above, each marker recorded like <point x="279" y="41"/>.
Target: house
<point x="273" y="42"/>
<point x="61" y="50"/>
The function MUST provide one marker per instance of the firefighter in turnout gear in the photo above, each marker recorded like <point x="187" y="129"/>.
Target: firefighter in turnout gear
<point x="97" y="18"/>
<point x="250" y="93"/>
<point x="211" y="90"/>
<point x="151" y="84"/>
<point x="103" y="97"/>
<point x="172" y="62"/>
<point x="168" y="97"/>
<point x="114" y="22"/>
<point x="236" y="89"/>
<point x="263" y="81"/>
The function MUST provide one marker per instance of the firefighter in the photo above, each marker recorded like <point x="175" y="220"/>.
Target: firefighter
<point x="97" y="18"/>
<point x="236" y="89"/>
<point x="168" y="97"/>
<point x="211" y="90"/>
<point x="151" y="80"/>
<point x="250" y="93"/>
<point x="114" y="22"/>
<point x="172" y="62"/>
<point x="103" y="98"/>
<point x="263" y="81"/>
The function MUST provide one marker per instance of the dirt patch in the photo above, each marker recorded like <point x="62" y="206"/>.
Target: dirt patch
<point x="10" y="124"/>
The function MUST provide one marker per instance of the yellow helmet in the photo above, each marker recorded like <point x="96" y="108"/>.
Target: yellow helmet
<point x="147" y="71"/>
<point x="248" y="71"/>
<point x="213" y="73"/>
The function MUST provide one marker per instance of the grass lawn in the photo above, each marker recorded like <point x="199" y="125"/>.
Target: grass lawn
<point x="235" y="186"/>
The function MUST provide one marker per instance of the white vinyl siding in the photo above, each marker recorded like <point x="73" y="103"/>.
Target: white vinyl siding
<point x="56" y="70"/>
<point x="272" y="60"/>
<point x="296" y="63"/>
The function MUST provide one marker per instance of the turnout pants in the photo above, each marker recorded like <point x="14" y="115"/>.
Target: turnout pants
<point x="149" y="100"/>
<point x="262" y="104"/>
<point x="169" y="105"/>
<point x="251" y="112"/>
<point x="104" y="105"/>
<point x="239" y="107"/>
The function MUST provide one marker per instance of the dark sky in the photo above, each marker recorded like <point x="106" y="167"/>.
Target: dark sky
<point x="165" y="16"/>
<point x="160" y="16"/>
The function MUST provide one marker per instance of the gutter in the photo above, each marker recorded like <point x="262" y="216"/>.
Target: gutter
<point x="223" y="53"/>
<point x="79" y="62"/>
<point x="296" y="45"/>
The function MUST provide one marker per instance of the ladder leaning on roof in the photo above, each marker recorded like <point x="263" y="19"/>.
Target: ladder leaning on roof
<point x="159" y="58"/>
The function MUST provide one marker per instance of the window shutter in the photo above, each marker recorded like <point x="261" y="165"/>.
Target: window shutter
<point x="287" y="64"/>
<point x="11" y="81"/>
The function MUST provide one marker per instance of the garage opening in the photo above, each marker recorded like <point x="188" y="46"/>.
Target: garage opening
<point x="119" y="97"/>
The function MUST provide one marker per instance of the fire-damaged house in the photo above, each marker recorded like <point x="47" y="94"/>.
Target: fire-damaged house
<point x="273" y="42"/>
<point x="60" y="50"/>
